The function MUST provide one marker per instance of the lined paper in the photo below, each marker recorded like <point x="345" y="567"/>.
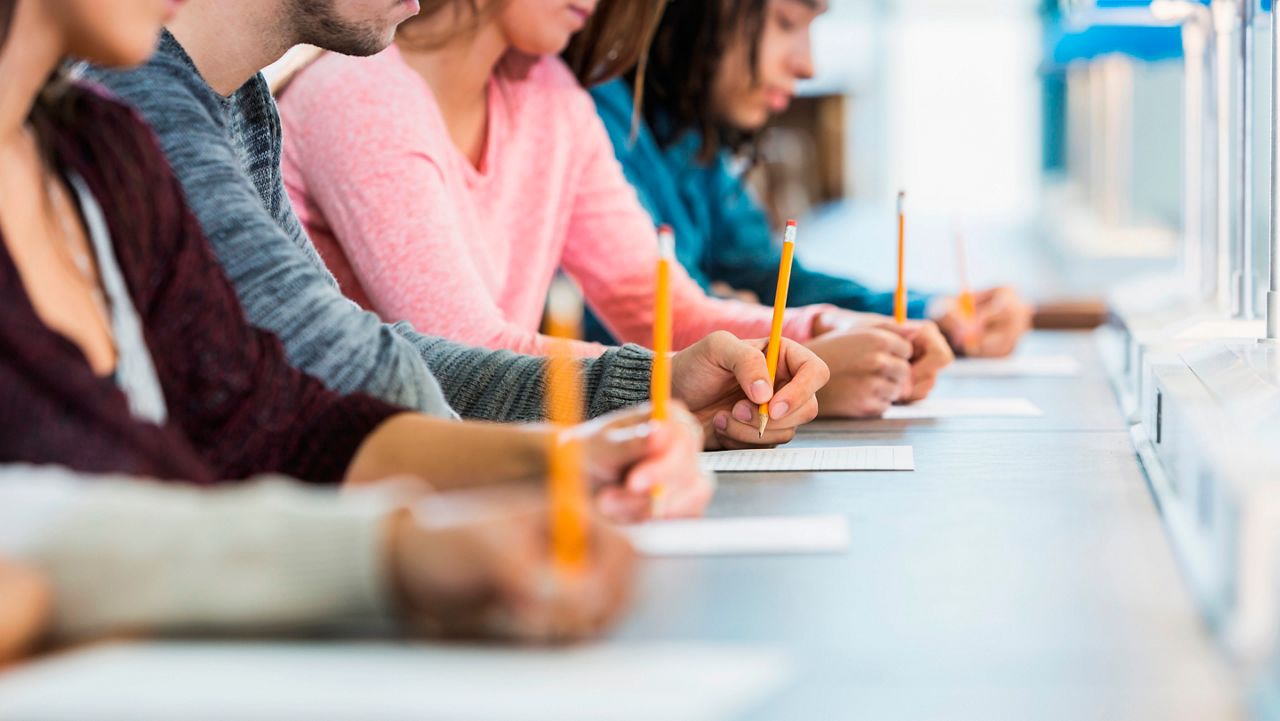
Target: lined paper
<point x="741" y="536"/>
<point x="834" y="458"/>
<point x="1029" y="366"/>
<point x="964" y="408"/>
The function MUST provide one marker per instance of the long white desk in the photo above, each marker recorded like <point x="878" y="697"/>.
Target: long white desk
<point x="1021" y="572"/>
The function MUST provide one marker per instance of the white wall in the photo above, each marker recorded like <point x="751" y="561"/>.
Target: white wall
<point x="947" y="101"/>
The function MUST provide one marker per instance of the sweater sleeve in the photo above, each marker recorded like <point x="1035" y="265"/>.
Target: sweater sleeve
<point x="128" y="554"/>
<point x="401" y="269"/>
<point x="506" y="386"/>
<point x="281" y="289"/>
<point x="744" y="255"/>
<point x="229" y="386"/>
<point x="612" y="251"/>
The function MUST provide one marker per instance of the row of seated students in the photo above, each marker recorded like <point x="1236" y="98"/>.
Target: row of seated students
<point x="219" y="311"/>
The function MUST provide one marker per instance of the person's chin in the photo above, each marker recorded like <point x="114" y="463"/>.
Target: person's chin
<point x="544" y="46"/>
<point x="752" y="121"/>
<point x="127" y="56"/>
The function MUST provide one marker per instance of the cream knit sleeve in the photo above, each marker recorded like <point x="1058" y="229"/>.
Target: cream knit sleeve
<point x="124" y="553"/>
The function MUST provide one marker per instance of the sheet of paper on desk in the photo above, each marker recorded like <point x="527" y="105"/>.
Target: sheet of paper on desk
<point x="342" y="681"/>
<point x="741" y="536"/>
<point x="841" y="458"/>
<point x="1023" y="366"/>
<point x="964" y="408"/>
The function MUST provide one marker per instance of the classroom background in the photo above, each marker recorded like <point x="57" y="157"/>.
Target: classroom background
<point x="1088" y="529"/>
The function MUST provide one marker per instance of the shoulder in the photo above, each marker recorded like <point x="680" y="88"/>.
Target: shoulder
<point x="99" y="128"/>
<point x="167" y="82"/>
<point x="383" y="77"/>
<point x="377" y="99"/>
<point x="614" y="102"/>
<point x="119" y="158"/>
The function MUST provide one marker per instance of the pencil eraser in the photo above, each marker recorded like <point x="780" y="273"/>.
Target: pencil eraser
<point x="665" y="229"/>
<point x="791" y="223"/>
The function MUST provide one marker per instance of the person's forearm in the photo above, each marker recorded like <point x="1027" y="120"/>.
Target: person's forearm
<point x="488" y="385"/>
<point x="131" y="553"/>
<point x="450" y="455"/>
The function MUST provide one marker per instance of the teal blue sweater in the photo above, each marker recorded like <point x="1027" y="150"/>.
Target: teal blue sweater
<point x="722" y="233"/>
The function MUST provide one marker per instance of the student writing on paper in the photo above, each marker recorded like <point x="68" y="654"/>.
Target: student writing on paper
<point x="218" y="124"/>
<point x="446" y="178"/>
<point x="703" y="105"/>
<point x="123" y="554"/>
<point x="125" y="349"/>
<point x="96" y="279"/>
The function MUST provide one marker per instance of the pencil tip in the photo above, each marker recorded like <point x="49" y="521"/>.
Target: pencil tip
<point x="764" y="421"/>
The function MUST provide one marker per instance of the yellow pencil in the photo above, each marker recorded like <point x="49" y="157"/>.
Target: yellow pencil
<point x="967" y="305"/>
<point x="660" y="388"/>
<point x="660" y="384"/>
<point x="900" y="294"/>
<point x="965" y="301"/>
<point x="779" y="310"/>
<point x="567" y="485"/>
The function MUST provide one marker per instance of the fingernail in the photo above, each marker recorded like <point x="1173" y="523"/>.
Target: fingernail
<point x="760" y="392"/>
<point x="742" y="412"/>
<point x="721" y="421"/>
<point x="779" y="410"/>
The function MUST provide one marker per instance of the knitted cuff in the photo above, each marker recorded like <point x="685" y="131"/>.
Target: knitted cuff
<point x="618" y="379"/>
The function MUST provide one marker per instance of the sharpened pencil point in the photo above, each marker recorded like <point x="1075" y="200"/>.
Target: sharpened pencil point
<point x="764" y="422"/>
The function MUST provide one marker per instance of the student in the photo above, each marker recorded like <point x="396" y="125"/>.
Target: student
<point x="717" y="72"/>
<point x="448" y="177"/>
<point x="122" y="346"/>
<point x="123" y="351"/>
<point x="120" y="554"/>
<point x="218" y="125"/>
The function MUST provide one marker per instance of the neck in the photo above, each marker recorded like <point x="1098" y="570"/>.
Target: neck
<point x="459" y="71"/>
<point x="231" y="40"/>
<point x="33" y="50"/>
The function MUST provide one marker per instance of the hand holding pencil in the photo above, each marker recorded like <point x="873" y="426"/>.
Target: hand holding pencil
<point x="723" y="380"/>
<point x="779" y="313"/>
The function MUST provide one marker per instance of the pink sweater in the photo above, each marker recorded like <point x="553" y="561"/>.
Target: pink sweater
<point x="413" y="231"/>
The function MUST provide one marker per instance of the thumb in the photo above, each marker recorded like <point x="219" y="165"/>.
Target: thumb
<point x="619" y="450"/>
<point x="659" y="442"/>
<point x="749" y="368"/>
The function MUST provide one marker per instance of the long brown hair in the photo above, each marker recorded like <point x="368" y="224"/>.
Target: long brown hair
<point x="689" y="45"/>
<point x="614" y="40"/>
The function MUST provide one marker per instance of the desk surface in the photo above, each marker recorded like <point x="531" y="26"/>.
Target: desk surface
<point x="1020" y="572"/>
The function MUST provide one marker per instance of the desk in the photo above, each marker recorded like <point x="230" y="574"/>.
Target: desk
<point x="1021" y="572"/>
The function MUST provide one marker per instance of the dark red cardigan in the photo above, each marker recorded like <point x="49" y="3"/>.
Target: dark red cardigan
<point x="236" y="406"/>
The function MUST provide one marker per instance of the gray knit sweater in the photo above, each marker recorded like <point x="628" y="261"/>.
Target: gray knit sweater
<point x="226" y="152"/>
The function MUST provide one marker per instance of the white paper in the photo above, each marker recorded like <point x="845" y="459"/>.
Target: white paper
<point x="741" y="536"/>
<point x="334" y="681"/>
<point x="964" y="408"/>
<point x="1215" y="329"/>
<point x="1028" y="366"/>
<point x="835" y="458"/>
